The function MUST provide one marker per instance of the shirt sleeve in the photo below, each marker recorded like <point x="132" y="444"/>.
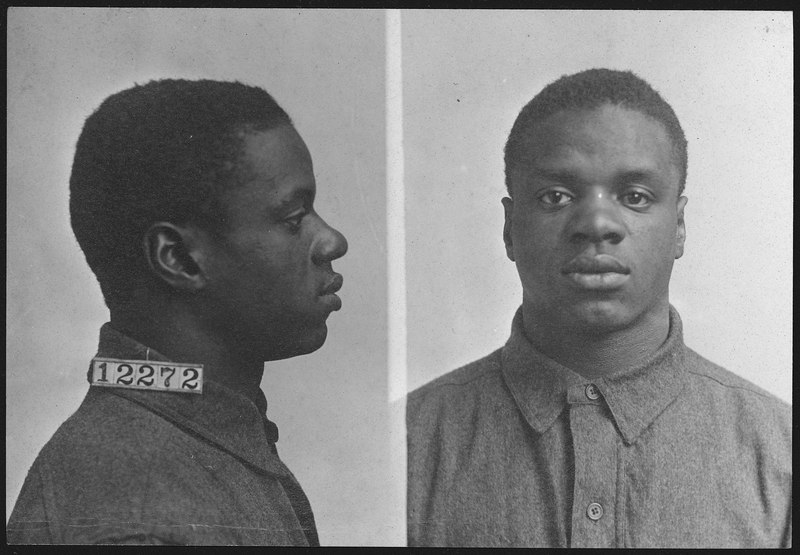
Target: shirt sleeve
<point x="28" y="521"/>
<point x="37" y="520"/>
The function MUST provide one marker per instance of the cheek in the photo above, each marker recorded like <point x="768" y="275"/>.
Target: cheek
<point x="536" y="249"/>
<point x="282" y="266"/>
<point x="657" y="251"/>
<point x="247" y="266"/>
<point x="534" y="236"/>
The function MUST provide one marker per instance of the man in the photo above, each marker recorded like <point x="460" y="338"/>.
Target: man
<point x="193" y="203"/>
<point x="595" y="426"/>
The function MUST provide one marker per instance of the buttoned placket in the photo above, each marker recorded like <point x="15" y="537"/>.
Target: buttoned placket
<point x="594" y="443"/>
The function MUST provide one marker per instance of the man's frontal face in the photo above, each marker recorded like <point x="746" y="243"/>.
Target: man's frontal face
<point x="595" y="223"/>
<point x="271" y="285"/>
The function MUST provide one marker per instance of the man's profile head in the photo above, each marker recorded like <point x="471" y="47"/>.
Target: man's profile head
<point x="595" y="167"/>
<point x="200" y="194"/>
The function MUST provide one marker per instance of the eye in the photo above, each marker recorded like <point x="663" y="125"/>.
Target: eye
<point x="295" y="220"/>
<point x="637" y="199"/>
<point x="555" y="198"/>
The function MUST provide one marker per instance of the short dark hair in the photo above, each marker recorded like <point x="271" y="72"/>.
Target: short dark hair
<point x="162" y="151"/>
<point x="591" y="89"/>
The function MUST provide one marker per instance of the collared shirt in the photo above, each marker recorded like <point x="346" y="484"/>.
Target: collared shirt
<point x="516" y="450"/>
<point x="137" y="466"/>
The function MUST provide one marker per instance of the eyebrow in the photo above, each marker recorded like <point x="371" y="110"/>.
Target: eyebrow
<point x="564" y="176"/>
<point x="303" y="194"/>
<point x="636" y="175"/>
<point x="570" y="177"/>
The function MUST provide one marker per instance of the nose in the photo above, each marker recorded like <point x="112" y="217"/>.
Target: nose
<point x="597" y="219"/>
<point x="328" y="245"/>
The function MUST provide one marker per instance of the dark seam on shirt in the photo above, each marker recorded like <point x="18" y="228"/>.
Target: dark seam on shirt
<point x="731" y="386"/>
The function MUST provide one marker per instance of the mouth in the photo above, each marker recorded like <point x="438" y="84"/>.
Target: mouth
<point x="328" y="293"/>
<point x="600" y="272"/>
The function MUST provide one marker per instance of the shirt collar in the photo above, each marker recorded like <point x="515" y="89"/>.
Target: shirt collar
<point x="228" y="419"/>
<point x="636" y="396"/>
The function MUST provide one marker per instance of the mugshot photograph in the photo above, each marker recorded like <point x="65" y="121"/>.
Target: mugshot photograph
<point x="189" y="356"/>
<point x="459" y="278"/>
<point x="601" y="345"/>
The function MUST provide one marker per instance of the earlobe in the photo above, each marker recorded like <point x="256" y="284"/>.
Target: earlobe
<point x="680" y="233"/>
<point x="508" y="209"/>
<point x="168" y="252"/>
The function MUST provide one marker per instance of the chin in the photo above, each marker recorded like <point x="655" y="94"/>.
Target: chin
<point x="313" y="341"/>
<point x="302" y="342"/>
<point x="600" y="317"/>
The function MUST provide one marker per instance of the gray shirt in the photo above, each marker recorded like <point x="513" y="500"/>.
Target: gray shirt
<point x="133" y="466"/>
<point x="516" y="450"/>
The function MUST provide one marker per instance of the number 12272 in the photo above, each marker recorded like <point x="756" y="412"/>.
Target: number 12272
<point x="147" y="374"/>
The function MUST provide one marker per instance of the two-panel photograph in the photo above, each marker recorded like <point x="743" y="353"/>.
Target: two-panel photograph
<point x="399" y="277"/>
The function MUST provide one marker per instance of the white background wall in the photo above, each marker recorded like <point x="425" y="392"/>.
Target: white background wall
<point x="729" y="77"/>
<point x="327" y="70"/>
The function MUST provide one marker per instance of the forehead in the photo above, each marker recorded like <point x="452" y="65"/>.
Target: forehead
<point x="275" y="174"/>
<point x="275" y="154"/>
<point x="608" y="139"/>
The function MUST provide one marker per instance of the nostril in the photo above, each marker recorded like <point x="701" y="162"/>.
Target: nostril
<point x="579" y="238"/>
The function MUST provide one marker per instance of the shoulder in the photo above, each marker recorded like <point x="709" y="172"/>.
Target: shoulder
<point x="105" y="455"/>
<point x="454" y="399"/>
<point x="715" y="378"/>
<point x="463" y="381"/>
<point x="107" y="424"/>
<point x="737" y="400"/>
<point x="98" y="468"/>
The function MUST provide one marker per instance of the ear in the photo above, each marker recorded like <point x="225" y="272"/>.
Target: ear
<point x="170" y="253"/>
<point x="680" y="234"/>
<point x="508" y="208"/>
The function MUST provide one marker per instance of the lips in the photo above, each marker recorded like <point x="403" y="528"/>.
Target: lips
<point x="333" y="285"/>
<point x="328" y="294"/>
<point x="597" y="264"/>
<point x="598" y="272"/>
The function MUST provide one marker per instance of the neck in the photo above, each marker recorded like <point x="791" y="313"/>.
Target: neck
<point x="172" y="330"/>
<point x="595" y="353"/>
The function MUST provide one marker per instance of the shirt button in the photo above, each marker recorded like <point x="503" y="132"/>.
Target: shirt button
<point x="594" y="511"/>
<point x="592" y="392"/>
